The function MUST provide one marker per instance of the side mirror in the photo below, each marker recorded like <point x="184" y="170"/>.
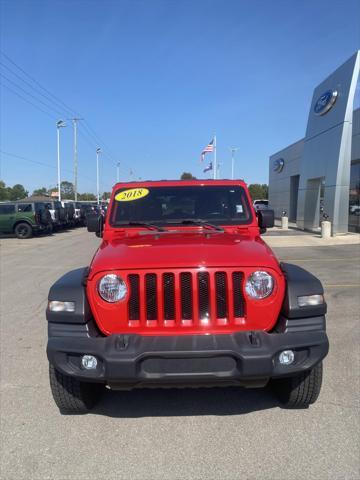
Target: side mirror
<point x="95" y="223"/>
<point x="266" y="219"/>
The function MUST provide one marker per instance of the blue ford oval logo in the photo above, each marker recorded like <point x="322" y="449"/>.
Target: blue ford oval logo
<point x="325" y="102"/>
<point x="278" y="165"/>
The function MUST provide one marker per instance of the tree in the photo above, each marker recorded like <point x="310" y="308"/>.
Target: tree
<point x="258" y="191"/>
<point x="187" y="176"/>
<point x="86" y="196"/>
<point x="67" y="190"/>
<point x="17" y="192"/>
<point x="40" y="192"/>
<point x="4" y="194"/>
<point x="106" y="195"/>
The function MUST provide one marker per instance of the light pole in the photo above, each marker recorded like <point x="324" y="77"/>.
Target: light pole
<point x="75" y="120"/>
<point x="98" y="151"/>
<point x="118" y="172"/>
<point x="233" y="150"/>
<point x="59" y="124"/>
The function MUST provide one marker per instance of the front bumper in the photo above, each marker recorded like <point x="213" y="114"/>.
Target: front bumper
<point x="243" y="358"/>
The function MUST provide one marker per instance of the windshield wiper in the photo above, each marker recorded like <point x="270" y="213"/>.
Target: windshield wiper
<point x="151" y="226"/>
<point x="203" y="223"/>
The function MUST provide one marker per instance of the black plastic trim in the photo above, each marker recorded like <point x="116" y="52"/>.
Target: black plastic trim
<point x="70" y="288"/>
<point x="300" y="282"/>
<point x="125" y="361"/>
<point x="308" y="324"/>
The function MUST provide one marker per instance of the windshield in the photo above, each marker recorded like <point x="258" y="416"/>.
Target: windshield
<point x="171" y="205"/>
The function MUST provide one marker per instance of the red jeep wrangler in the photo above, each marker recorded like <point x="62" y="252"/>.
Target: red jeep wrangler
<point x="182" y="291"/>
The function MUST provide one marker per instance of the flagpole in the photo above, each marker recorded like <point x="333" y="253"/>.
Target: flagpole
<point x="215" y="163"/>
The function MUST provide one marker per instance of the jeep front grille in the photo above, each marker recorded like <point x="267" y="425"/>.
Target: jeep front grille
<point x="186" y="298"/>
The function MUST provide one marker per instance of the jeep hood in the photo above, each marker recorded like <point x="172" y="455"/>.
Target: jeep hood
<point x="151" y="251"/>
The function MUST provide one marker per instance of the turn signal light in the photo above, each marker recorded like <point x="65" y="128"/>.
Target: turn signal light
<point x="58" y="306"/>
<point x="310" y="300"/>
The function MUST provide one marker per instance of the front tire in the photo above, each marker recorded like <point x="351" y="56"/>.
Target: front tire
<point x="300" y="391"/>
<point x="72" y="395"/>
<point x="23" y="230"/>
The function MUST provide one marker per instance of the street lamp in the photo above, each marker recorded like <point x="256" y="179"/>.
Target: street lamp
<point x="233" y="150"/>
<point x="98" y="151"/>
<point x="59" y="124"/>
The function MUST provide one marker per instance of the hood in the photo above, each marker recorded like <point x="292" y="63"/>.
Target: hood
<point x="151" y="251"/>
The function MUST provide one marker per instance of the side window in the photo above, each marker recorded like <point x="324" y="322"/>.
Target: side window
<point x="7" y="209"/>
<point x="24" y="207"/>
<point x="39" y="207"/>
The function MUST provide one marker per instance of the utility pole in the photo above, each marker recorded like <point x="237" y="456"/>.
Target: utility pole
<point x="98" y="151"/>
<point x="233" y="150"/>
<point x="118" y="172"/>
<point x="75" y="120"/>
<point x="59" y="124"/>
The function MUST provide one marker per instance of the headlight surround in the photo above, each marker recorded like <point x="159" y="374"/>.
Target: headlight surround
<point x="112" y="288"/>
<point x="259" y="285"/>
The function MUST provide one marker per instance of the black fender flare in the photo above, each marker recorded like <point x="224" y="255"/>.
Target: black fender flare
<point x="300" y="282"/>
<point x="71" y="287"/>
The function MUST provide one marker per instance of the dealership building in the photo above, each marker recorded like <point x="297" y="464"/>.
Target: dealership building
<point x="319" y="175"/>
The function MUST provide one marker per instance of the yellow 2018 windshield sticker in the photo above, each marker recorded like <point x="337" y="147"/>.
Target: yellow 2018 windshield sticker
<point x="132" y="194"/>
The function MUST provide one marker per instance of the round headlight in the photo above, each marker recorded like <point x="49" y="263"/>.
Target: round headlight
<point x="259" y="285"/>
<point x="112" y="288"/>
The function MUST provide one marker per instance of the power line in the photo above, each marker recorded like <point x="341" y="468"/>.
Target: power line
<point x="16" y="85"/>
<point x="28" y="101"/>
<point x="39" y="163"/>
<point x="56" y="103"/>
<point x="29" y="85"/>
<point x="37" y="83"/>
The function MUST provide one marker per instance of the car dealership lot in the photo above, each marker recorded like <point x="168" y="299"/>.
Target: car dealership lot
<point x="188" y="434"/>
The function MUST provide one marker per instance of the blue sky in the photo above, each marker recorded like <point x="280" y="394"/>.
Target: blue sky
<point x="155" y="78"/>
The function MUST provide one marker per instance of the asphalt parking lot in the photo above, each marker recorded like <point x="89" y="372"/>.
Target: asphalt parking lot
<point x="172" y="434"/>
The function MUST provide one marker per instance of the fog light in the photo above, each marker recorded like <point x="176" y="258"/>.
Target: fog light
<point x="89" y="362"/>
<point x="287" y="357"/>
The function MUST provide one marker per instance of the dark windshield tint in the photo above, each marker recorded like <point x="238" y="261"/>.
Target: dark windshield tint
<point x="162" y="205"/>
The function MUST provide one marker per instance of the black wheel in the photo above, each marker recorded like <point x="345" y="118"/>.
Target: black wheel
<point x="300" y="391"/>
<point x="23" y="230"/>
<point x="71" y="395"/>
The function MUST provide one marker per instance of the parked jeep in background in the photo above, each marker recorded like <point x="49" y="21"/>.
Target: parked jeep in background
<point x="261" y="204"/>
<point x="24" y="218"/>
<point x="183" y="291"/>
<point x="57" y="211"/>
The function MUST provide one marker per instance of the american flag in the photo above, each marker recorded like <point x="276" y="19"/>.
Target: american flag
<point x="208" y="149"/>
<point x="208" y="168"/>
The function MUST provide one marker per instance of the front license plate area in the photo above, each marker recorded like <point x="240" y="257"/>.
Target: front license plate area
<point x="222" y="365"/>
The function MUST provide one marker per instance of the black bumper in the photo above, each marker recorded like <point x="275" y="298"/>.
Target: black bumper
<point x="243" y="358"/>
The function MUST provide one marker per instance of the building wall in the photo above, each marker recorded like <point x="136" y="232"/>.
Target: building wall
<point x="280" y="182"/>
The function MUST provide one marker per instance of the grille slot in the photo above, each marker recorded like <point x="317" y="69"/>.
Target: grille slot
<point x="186" y="296"/>
<point x="239" y="309"/>
<point x="221" y="292"/>
<point x="151" y="296"/>
<point x="134" y="300"/>
<point x="169" y="296"/>
<point x="204" y="296"/>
